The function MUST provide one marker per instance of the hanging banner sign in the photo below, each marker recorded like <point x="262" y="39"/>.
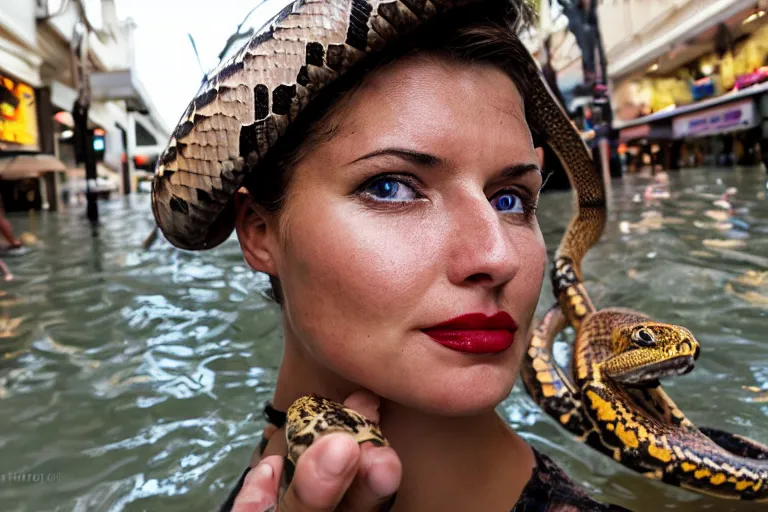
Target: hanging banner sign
<point x="18" y="116"/>
<point x="740" y="115"/>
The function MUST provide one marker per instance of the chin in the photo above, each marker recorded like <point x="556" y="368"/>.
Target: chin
<point x="458" y="392"/>
<point x="430" y="378"/>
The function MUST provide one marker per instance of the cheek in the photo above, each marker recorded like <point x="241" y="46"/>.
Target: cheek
<point x="524" y="291"/>
<point x="354" y="258"/>
<point x="356" y="271"/>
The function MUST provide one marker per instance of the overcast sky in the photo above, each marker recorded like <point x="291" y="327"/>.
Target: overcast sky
<point x="164" y="57"/>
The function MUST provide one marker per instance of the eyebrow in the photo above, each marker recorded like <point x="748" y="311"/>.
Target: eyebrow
<point x="427" y="160"/>
<point x="415" y="157"/>
<point x="518" y="170"/>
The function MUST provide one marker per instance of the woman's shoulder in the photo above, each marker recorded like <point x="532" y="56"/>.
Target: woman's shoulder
<point x="551" y="490"/>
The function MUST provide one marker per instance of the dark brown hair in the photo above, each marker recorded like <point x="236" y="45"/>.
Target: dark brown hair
<point x="469" y="35"/>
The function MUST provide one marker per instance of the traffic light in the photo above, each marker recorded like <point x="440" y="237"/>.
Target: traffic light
<point x="98" y="144"/>
<point x="95" y="143"/>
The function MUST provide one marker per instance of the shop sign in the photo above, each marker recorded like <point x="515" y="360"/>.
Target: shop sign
<point x="723" y="119"/>
<point x="18" y="116"/>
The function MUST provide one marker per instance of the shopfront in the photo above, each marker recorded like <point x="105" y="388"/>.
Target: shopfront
<point x="717" y="132"/>
<point x="707" y="88"/>
<point x="720" y="136"/>
<point x="647" y="145"/>
<point x="19" y="135"/>
<point x="28" y="165"/>
<point x="19" y="130"/>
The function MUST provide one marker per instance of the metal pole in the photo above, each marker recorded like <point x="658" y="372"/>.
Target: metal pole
<point x="81" y="76"/>
<point x="85" y="144"/>
<point x="91" y="181"/>
<point x="604" y="147"/>
<point x="129" y="170"/>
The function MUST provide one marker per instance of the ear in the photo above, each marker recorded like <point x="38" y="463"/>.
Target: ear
<point x="256" y="234"/>
<point x="540" y="155"/>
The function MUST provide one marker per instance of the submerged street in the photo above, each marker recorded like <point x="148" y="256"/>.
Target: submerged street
<point x="142" y="374"/>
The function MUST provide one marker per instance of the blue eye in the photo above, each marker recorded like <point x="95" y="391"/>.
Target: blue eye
<point x="390" y="190"/>
<point x="508" y="203"/>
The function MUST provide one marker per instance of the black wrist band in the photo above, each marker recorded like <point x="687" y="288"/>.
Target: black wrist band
<point x="273" y="416"/>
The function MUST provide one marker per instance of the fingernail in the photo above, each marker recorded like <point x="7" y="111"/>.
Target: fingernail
<point x="264" y="471"/>
<point x="336" y="459"/>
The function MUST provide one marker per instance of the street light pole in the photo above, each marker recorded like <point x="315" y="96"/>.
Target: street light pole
<point x="84" y="136"/>
<point x="84" y="142"/>
<point x="601" y="99"/>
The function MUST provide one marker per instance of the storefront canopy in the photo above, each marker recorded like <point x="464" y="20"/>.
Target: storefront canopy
<point x="28" y="166"/>
<point x="698" y="106"/>
<point x="645" y="132"/>
<point x="121" y="85"/>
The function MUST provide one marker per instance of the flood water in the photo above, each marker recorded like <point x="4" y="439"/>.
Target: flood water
<point x="133" y="380"/>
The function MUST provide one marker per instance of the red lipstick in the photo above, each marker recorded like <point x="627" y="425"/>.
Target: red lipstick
<point x="476" y="333"/>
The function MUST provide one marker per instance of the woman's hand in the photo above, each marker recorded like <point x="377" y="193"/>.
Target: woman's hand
<point x="335" y="473"/>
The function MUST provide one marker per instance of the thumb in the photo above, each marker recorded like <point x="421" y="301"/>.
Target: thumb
<point x="323" y="474"/>
<point x="260" y="487"/>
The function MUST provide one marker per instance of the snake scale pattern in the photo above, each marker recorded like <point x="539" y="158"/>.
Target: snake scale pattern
<point x="248" y="104"/>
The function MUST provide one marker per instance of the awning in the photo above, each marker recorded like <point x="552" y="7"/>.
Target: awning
<point x="17" y="59"/>
<point x="20" y="167"/>
<point x="645" y="131"/>
<point x="698" y="106"/>
<point x="120" y="85"/>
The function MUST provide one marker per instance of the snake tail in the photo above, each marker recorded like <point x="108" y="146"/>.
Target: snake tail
<point x="687" y="459"/>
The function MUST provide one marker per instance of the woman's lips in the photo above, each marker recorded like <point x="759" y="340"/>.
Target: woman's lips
<point x="476" y="333"/>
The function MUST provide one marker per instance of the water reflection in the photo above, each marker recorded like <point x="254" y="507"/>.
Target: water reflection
<point x="138" y="377"/>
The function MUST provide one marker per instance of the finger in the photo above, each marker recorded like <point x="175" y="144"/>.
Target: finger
<point x="261" y="449"/>
<point x="364" y="402"/>
<point x="378" y="478"/>
<point x="260" y="488"/>
<point x="323" y="474"/>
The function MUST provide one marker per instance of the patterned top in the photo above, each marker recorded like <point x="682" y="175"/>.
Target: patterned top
<point x="548" y="490"/>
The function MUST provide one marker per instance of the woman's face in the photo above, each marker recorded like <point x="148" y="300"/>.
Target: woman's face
<point x="417" y="211"/>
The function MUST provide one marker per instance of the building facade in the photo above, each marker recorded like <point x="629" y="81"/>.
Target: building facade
<point x="38" y="167"/>
<point x="688" y="80"/>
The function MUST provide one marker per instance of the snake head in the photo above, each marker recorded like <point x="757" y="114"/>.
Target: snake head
<point x="647" y="351"/>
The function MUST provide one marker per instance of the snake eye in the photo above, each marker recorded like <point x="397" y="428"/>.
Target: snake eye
<point x="643" y="336"/>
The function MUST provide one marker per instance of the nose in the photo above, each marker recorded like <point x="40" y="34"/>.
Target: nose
<point x="481" y="246"/>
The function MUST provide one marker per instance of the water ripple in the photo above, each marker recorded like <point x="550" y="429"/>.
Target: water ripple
<point x="138" y="377"/>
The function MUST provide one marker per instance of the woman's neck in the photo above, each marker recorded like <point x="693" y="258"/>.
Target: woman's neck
<point x="449" y="463"/>
<point x="456" y="463"/>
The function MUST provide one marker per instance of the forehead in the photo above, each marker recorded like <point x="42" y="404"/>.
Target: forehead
<point x="423" y="98"/>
